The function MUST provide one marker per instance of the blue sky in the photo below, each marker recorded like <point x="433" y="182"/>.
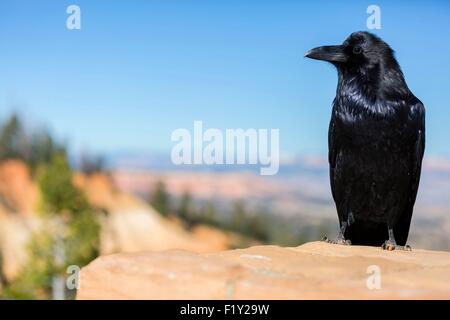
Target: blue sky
<point x="137" y="70"/>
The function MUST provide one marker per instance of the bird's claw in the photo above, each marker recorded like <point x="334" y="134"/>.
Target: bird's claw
<point x="338" y="240"/>
<point x="391" y="246"/>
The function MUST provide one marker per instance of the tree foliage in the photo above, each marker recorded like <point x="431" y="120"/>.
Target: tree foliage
<point x="69" y="234"/>
<point x="160" y="199"/>
<point x="34" y="148"/>
<point x="90" y="163"/>
<point x="13" y="140"/>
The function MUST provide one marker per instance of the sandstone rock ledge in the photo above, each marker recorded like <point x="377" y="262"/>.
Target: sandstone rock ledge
<point x="315" y="270"/>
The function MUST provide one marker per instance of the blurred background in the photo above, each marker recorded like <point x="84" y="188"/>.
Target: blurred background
<point x="86" y="118"/>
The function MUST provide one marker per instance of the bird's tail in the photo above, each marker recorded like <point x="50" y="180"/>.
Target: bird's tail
<point x="401" y="229"/>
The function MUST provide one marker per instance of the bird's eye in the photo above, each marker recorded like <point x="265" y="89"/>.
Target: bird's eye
<point x="357" y="50"/>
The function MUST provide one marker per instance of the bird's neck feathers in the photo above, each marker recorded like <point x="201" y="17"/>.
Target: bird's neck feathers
<point x="373" y="85"/>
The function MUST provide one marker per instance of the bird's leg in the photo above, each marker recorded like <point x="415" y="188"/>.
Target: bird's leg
<point x="340" y="239"/>
<point x="391" y="245"/>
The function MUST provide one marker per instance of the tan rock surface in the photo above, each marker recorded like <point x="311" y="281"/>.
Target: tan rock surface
<point x="312" y="271"/>
<point x="18" y="199"/>
<point x="17" y="192"/>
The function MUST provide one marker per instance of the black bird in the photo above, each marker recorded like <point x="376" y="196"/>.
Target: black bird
<point x="376" y="142"/>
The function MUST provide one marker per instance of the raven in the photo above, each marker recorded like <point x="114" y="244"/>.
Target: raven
<point x="376" y="142"/>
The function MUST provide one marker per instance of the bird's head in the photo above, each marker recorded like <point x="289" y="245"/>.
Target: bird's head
<point x="360" y="52"/>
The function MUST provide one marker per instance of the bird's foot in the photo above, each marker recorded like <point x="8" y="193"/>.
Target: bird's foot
<point x="391" y="246"/>
<point x="339" y="240"/>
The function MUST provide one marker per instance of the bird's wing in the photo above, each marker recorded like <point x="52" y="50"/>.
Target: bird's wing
<point x="332" y="144"/>
<point x="417" y="116"/>
<point x="333" y="138"/>
<point x="333" y="150"/>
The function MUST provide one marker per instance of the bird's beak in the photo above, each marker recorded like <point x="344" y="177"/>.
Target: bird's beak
<point x="328" y="53"/>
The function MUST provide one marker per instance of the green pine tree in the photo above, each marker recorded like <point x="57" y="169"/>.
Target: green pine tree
<point x="160" y="199"/>
<point x="13" y="140"/>
<point x="185" y="209"/>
